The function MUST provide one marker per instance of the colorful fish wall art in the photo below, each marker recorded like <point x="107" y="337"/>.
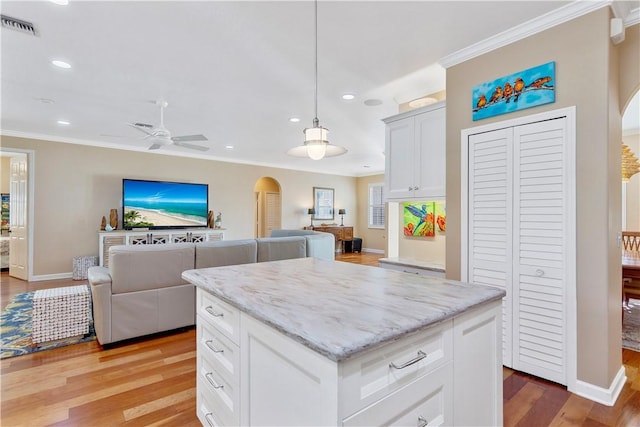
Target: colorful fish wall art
<point x="524" y="89"/>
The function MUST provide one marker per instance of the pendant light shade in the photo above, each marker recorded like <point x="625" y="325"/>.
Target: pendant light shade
<point x="316" y="145"/>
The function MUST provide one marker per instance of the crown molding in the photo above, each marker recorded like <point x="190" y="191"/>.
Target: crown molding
<point x="551" y="19"/>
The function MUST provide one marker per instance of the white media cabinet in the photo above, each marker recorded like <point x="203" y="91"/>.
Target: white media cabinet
<point x="153" y="237"/>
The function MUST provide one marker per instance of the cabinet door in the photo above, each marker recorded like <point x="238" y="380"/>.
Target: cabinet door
<point x="490" y="220"/>
<point x="399" y="153"/>
<point x="429" y="158"/>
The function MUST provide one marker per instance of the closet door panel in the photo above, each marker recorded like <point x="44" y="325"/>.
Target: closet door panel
<point x="539" y="248"/>
<point x="490" y="248"/>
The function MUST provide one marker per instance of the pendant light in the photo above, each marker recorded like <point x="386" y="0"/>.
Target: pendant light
<point x="316" y="146"/>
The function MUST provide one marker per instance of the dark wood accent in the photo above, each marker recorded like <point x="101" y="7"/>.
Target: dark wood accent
<point x="152" y="381"/>
<point x="342" y="233"/>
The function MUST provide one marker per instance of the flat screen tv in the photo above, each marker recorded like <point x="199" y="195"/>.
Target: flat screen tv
<point x="161" y="205"/>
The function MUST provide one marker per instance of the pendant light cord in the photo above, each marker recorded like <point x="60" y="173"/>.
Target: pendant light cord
<point x="316" y="122"/>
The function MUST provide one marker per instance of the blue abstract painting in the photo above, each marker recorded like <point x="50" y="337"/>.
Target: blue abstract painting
<point x="524" y="89"/>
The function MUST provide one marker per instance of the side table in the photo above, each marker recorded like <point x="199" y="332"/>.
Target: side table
<point x="60" y="313"/>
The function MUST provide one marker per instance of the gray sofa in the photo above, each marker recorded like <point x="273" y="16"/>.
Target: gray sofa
<point x="142" y="291"/>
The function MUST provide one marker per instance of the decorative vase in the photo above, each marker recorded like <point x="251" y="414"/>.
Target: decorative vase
<point x="113" y="218"/>
<point x="103" y="224"/>
<point x="210" y="219"/>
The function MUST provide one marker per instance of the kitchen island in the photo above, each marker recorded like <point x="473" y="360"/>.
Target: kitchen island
<point x="317" y="342"/>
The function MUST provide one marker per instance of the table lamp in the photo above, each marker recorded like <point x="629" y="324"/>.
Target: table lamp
<point x="341" y="212"/>
<point x="311" y="211"/>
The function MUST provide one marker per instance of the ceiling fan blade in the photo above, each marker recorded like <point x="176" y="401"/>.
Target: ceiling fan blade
<point x="189" y="138"/>
<point x="155" y="146"/>
<point x="141" y="129"/>
<point x="191" y="146"/>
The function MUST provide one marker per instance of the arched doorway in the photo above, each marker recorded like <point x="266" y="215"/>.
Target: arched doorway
<point x="268" y="206"/>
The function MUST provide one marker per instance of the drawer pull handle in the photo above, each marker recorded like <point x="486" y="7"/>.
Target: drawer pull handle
<point x="422" y="421"/>
<point x="213" y="313"/>
<point x="209" y="344"/>
<point x="421" y="355"/>
<point x="539" y="272"/>
<point x="206" y="417"/>
<point x="215" y="385"/>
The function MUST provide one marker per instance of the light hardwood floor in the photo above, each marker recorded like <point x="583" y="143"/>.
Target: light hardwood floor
<point x="151" y="381"/>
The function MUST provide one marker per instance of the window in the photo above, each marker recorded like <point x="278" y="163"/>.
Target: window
<point x="376" y="206"/>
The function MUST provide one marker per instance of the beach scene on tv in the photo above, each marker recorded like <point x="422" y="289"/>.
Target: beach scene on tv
<point x="164" y="204"/>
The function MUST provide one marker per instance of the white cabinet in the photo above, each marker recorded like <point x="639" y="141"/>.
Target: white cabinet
<point x="520" y="224"/>
<point x="415" y="152"/>
<point x="249" y="373"/>
<point x="153" y="237"/>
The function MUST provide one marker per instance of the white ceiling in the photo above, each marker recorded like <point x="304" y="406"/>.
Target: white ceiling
<point x="236" y="71"/>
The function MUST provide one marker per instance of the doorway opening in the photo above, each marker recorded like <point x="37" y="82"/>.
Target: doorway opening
<point x="268" y="206"/>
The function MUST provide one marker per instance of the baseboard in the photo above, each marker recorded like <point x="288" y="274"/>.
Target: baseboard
<point x="373" y="251"/>
<point x="601" y="395"/>
<point x="56" y="276"/>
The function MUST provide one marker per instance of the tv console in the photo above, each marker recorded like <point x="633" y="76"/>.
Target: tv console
<point x="153" y="237"/>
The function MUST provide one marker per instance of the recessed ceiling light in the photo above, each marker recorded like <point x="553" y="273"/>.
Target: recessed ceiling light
<point x="421" y="102"/>
<point x="366" y="166"/>
<point x="229" y="147"/>
<point x="61" y="64"/>
<point x="372" y="102"/>
<point x="348" y="96"/>
<point x="294" y="119"/>
<point x="60" y="2"/>
<point x="46" y="100"/>
<point x="63" y="122"/>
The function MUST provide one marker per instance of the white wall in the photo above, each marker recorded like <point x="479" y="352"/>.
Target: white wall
<point x="76" y="185"/>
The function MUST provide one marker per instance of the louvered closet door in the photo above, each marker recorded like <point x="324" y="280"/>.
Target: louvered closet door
<point x="539" y="319"/>
<point x="490" y="219"/>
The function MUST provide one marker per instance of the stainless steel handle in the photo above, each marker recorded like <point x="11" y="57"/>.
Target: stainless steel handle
<point x="421" y="355"/>
<point x="214" y="314"/>
<point x="209" y="376"/>
<point x="422" y="421"/>
<point x="206" y="417"/>
<point x="539" y="272"/>
<point x="209" y="344"/>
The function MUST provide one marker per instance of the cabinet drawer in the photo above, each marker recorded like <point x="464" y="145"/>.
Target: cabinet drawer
<point x="223" y="316"/>
<point x="211" y="408"/>
<point x="219" y="351"/>
<point x="370" y="377"/>
<point x="427" y="401"/>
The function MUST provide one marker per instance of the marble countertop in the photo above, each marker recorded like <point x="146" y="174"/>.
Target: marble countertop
<point x="409" y="262"/>
<point x="339" y="309"/>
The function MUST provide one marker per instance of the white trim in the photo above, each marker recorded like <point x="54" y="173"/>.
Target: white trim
<point x="373" y="251"/>
<point x="31" y="165"/>
<point x="551" y="19"/>
<point x="570" y="236"/>
<point x="55" y="276"/>
<point x="601" y="395"/>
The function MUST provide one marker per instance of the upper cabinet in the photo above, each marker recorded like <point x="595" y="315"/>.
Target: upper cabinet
<point x="415" y="154"/>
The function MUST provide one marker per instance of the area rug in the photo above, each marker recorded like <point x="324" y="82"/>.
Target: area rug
<point x="631" y="325"/>
<point x="15" y="329"/>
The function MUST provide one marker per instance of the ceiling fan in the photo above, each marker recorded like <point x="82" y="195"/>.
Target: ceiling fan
<point x="160" y="136"/>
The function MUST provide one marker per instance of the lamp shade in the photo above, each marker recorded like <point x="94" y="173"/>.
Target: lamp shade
<point x="342" y="211"/>
<point x="311" y="211"/>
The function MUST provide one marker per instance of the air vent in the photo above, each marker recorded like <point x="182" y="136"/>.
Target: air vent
<point x="18" y="25"/>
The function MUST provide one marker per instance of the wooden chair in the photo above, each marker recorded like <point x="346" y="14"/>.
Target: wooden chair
<point x="631" y="241"/>
<point x="631" y="283"/>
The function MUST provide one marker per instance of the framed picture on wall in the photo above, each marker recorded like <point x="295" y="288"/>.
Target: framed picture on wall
<point x="323" y="203"/>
